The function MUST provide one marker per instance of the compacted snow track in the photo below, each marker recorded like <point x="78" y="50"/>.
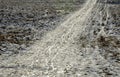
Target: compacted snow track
<point x="57" y="54"/>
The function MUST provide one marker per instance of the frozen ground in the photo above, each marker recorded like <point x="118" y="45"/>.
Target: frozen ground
<point x="24" y="22"/>
<point x="86" y="44"/>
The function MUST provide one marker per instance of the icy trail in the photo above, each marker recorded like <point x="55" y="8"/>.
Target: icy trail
<point x="57" y="54"/>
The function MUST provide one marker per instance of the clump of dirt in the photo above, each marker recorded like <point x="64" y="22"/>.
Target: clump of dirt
<point x="108" y="41"/>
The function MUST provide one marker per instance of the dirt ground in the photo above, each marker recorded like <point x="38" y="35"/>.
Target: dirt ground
<point x="23" y="22"/>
